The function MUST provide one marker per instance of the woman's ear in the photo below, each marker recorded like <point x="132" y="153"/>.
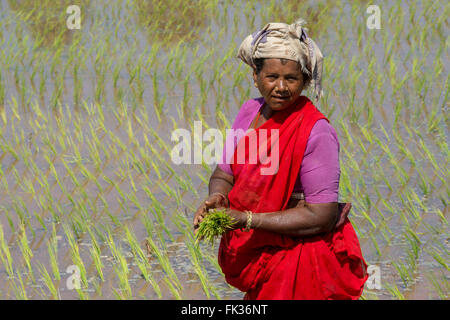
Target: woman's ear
<point x="255" y="78"/>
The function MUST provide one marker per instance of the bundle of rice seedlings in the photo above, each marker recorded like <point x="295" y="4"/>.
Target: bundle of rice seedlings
<point x="214" y="224"/>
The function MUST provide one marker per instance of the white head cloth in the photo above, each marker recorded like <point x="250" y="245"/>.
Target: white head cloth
<point x="285" y="41"/>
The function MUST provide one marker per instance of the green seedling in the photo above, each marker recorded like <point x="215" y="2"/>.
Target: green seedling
<point x="215" y="224"/>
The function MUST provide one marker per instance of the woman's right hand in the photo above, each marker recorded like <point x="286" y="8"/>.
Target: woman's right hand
<point x="215" y="200"/>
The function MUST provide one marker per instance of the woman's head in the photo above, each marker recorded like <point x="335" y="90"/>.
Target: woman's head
<point x="280" y="81"/>
<point x="288" y="42"/>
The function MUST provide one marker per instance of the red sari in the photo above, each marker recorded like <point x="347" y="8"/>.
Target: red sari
<point x="268" y="265"/>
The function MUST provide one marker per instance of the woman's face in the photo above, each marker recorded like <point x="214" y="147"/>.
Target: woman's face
<point x="280" y="82"/>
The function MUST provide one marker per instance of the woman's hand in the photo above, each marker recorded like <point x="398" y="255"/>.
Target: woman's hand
<point x="215" y="200"/>
<point x="239" y="217"/>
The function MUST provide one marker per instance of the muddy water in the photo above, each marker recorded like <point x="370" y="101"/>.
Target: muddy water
<point x="100" y="20"/>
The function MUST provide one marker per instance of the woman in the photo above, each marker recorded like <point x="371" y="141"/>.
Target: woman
<point x="292" y="239"/>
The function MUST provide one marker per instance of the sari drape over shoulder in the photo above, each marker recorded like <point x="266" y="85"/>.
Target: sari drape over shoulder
<point x="268" y="265"/>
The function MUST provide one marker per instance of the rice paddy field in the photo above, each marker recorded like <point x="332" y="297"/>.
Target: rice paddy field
<point x="93" y="207"/>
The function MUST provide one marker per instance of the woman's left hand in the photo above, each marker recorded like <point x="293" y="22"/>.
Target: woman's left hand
<point x="238" y="216"/>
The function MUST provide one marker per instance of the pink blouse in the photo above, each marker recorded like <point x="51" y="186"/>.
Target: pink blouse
<point x="319" y="171"/>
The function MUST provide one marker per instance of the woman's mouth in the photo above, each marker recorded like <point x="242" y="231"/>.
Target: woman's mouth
<point x="281" y="98"/>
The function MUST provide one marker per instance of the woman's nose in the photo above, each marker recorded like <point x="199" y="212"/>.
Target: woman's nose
<point x="281" y="85"/>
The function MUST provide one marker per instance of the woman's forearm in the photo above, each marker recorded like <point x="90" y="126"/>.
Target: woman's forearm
<point x="305" y="220"/>
<point x="298" y="221"/>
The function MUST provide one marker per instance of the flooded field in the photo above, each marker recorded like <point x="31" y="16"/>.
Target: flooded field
<point x="93" y="207"/>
